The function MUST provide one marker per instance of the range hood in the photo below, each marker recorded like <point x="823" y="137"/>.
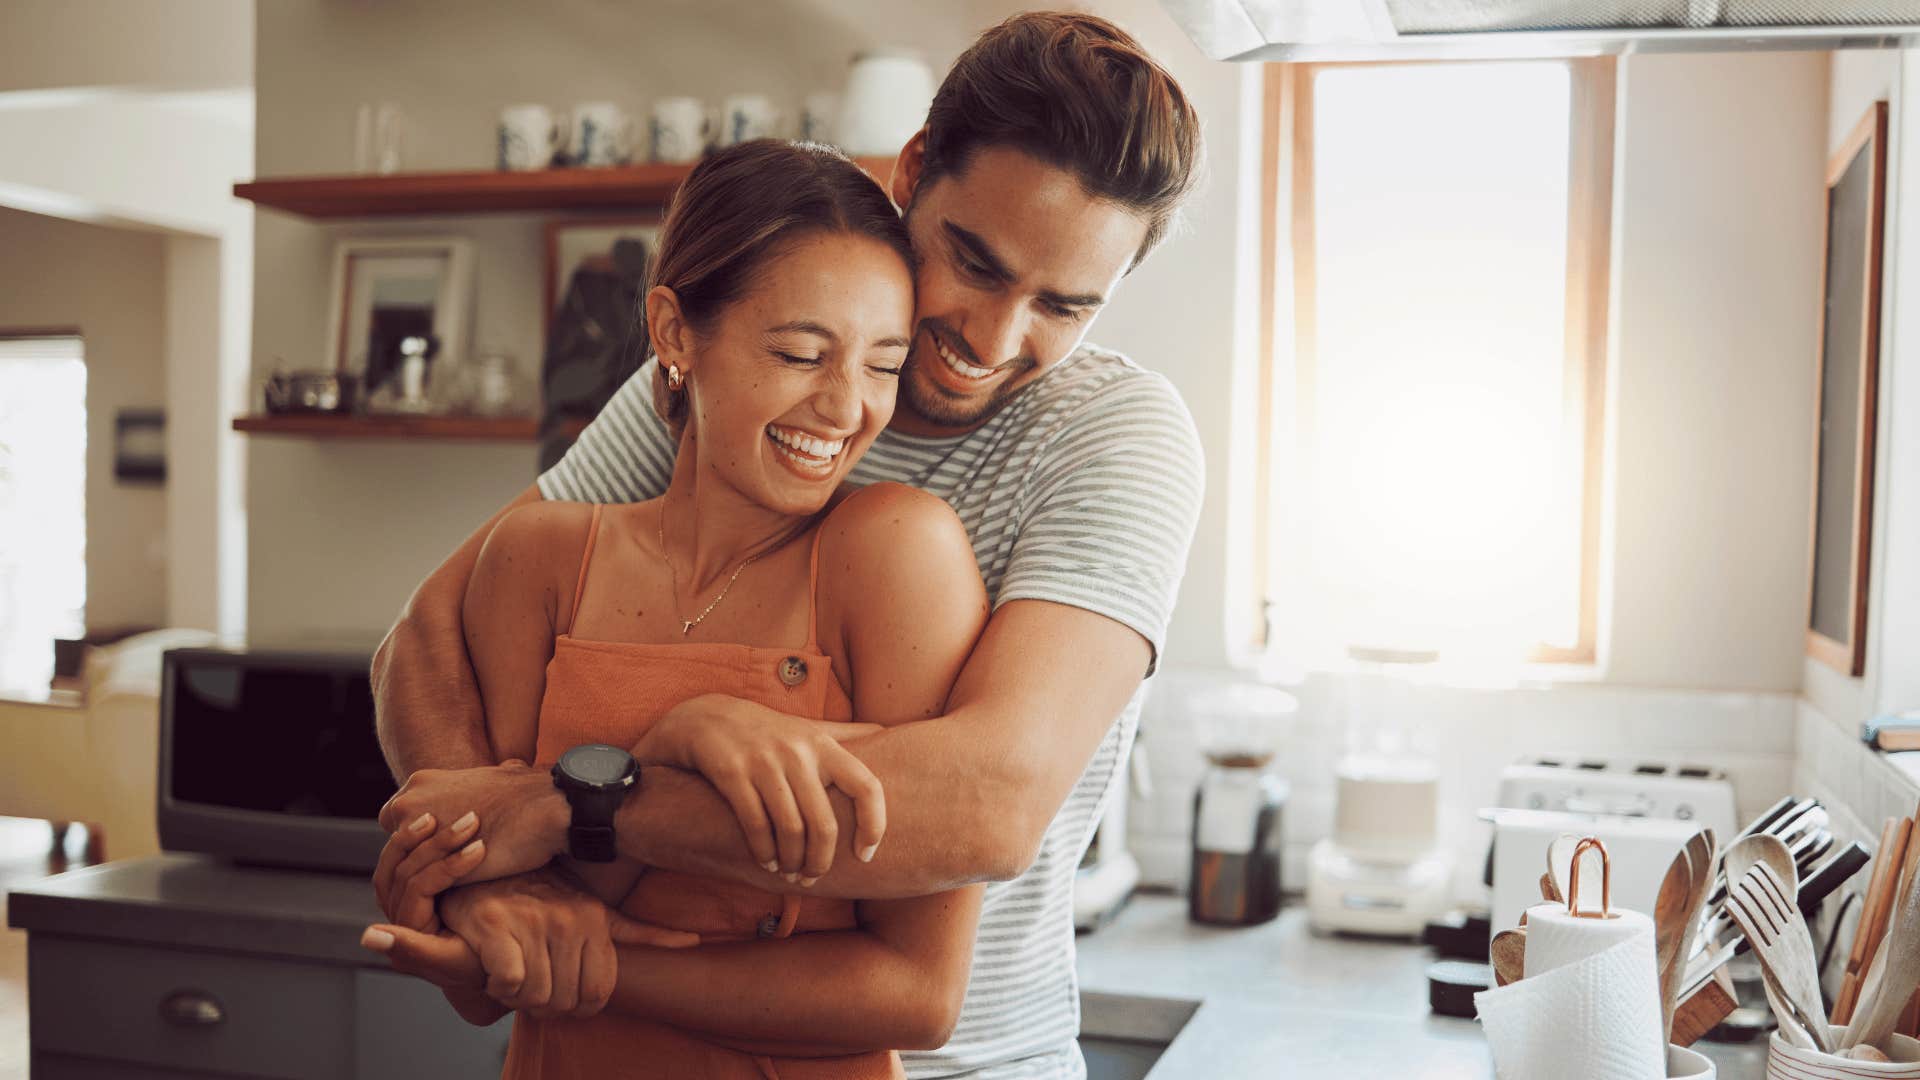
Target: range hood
<point x="1277" y="30"/>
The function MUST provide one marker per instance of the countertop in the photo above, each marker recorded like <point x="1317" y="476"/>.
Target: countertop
<point x="1276" y="999"/>
<point x="1282" y="1000"/>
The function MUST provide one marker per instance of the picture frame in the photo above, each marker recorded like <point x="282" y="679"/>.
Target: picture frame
<point x="383" y="287"/>
<point x="572" y="242"/>
<point x="1846" y="397"/>
<point x="140" y="446"/>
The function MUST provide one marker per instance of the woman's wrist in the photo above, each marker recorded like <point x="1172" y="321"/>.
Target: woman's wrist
<point x="663" y="744"/>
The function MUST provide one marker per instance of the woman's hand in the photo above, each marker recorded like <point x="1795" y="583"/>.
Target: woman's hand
<point x="774" y="770"/>
<point x="546" y="945"/>
<point x="494" y="821"/>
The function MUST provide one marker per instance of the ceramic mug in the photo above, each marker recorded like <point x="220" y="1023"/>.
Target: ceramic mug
<point x="888" y="92"/>
<point x="528" y="137"/>
<point x="1786" y="1061"/>
<point x="600" y="134"/>
<point x="678" y="130"/>
<point x="745" y="117"/>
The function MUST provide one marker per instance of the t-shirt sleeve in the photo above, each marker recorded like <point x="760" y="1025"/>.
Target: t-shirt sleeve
<point x="625" y="455"/>
<point x="1110" y="510"/>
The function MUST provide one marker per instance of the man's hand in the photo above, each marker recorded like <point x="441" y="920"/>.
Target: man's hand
<point x="531" y="942"/>
<point x="522" y="821"/>
<point x="774" y="771"/>
<point x="546" y="944"/>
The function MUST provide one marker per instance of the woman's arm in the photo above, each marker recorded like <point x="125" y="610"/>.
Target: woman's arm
<point x="901" y="605"/>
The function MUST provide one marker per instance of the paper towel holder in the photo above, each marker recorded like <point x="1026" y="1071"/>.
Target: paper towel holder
<point x="1606" y="881"/>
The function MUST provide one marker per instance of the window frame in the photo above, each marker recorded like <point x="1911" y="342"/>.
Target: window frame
<point x="1287" y="222"/>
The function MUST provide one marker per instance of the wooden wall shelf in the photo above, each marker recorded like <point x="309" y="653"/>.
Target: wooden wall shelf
<point x="462" y="428"/>
<point x="488" y="191"/>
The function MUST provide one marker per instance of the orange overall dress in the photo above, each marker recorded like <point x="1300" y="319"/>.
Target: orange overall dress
<point x="609" y="692"/>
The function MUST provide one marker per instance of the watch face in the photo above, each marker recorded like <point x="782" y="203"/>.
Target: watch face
<point x="596" y="764"/>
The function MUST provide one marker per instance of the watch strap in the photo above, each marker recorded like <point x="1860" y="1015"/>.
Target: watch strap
<point x="591" y="843"/>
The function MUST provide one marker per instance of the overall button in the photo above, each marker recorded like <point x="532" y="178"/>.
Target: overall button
<point x="769" y="926"/>
<point x="793" y="671"/>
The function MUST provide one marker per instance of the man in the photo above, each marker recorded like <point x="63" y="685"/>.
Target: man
<point x="1054" y="158"/>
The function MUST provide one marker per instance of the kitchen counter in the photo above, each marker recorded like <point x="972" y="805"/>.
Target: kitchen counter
<point x="1276" y="999"/>
<point x="1280" y="999"/>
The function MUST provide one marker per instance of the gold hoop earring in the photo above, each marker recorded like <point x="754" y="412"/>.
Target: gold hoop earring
<point x="675" y="377"/>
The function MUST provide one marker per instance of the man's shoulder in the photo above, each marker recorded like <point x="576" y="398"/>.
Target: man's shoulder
<point x="1097" y="388"/>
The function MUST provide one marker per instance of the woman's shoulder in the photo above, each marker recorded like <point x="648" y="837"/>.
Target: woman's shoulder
<point x="886" y="521"/>
<point x="544" y="525"/>
<point x="539" y="541"/>
<point x="890" y="543"/>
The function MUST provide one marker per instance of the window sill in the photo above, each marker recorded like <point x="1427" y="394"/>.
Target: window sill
<point x="1456" y="676"/>
<point x="48" y="699"/>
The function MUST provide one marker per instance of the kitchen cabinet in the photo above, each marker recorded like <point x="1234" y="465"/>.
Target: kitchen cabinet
<point x="182" y="965"/>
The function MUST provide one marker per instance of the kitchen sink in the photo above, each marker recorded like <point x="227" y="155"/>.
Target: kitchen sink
<point x="1123" y="1035"/>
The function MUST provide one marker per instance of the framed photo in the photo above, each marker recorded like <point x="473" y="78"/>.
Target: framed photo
<point x="385" y="291"/>
<point x="1846" y="393"/>
<point x="572" y="245"/>
<point x="140" y="446"/>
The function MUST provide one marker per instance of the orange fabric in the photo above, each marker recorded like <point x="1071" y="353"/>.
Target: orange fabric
<point x="609" y="692"/>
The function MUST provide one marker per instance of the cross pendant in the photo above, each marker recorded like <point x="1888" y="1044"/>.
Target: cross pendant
<point x="686" y="627"/>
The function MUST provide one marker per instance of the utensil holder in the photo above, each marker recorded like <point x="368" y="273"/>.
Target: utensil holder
<point x="1685" y="1064"/>
<point x="1786" y="1061"/>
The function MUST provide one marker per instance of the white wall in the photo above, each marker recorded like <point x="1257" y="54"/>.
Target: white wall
<point x="1716" y="277"/>
<point x="91" y="44"/>
<point x="111" y="284"/>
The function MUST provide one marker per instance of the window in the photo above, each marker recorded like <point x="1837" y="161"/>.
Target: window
<point x="1434" y="357"/>
<point x="43" y="523"/>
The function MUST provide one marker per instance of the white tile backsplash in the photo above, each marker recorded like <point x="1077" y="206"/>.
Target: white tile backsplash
<point x="1472" y="734"/>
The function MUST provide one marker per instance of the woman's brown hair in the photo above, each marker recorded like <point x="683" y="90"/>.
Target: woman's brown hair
<point x="1077" y="92"/>
<point x="739" y="208"/>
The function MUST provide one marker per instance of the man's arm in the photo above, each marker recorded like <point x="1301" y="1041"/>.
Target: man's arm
<point x="1111" y="508"/>
<point x="426" y="703"/>
<point x="969" y="794"/>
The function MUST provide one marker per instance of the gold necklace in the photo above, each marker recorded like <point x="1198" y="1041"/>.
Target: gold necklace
<point x="686" y="624"/>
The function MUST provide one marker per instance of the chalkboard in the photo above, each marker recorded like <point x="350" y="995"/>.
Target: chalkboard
<point x="1848" y="374"/>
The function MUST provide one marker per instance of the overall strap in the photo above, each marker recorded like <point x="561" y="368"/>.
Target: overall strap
<point x="586" y="557"/>
<point x="813" y="590"/>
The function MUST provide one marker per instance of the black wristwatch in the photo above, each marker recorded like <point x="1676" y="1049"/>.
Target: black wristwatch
<point x="596" y="779"/>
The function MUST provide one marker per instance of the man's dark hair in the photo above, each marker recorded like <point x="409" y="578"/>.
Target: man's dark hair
<point x="1077" y="92"/>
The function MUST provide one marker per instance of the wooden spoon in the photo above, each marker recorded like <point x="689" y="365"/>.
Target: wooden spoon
<point x="1898" y="980"/>
<point x="1670" y="910"/>
<point x="1508" y="952"/>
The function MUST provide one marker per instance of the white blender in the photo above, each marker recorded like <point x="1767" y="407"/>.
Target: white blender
<point x="1382" y="872"/>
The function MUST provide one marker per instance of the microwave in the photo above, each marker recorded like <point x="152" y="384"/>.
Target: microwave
<point x="270" y="757"/>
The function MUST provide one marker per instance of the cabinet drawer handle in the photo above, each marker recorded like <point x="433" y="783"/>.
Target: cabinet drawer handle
<point x="192" y="1008"/>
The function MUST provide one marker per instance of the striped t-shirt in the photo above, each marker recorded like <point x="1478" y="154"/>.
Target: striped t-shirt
<point x="1082" y="490"/>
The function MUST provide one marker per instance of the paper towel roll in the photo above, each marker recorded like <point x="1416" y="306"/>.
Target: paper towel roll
<point x="1589" y="1006"/>
<point x="1556" y="939"/>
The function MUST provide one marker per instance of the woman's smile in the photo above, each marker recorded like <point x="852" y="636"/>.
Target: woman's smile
<point x="810" y="456"/>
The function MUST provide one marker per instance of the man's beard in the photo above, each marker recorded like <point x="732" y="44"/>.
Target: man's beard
<point x="932" y="403"/>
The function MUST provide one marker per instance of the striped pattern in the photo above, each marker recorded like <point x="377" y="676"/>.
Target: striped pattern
<point x="1083" y="490"/>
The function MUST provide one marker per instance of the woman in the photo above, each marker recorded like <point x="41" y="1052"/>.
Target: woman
<point x="781" y="309"/>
